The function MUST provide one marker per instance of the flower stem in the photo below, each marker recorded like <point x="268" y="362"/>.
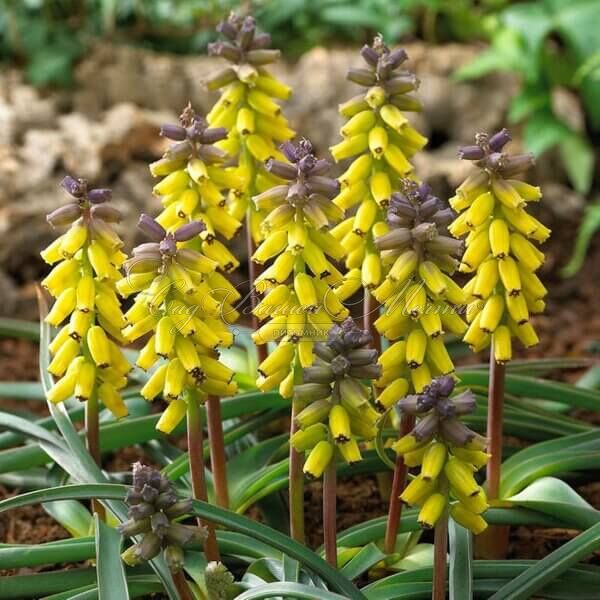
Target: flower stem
<point x="440" y="551"/>
<point x="493" y="542"/>
<point x="407" y="422"/>
<point x="370" y="314"/>
<point x="253" y="272"/>
<point x="92" y="431"/>
<point x="494" y="425"/>
<point x="218" y="460"/>
<point x="196" y="458"/>
<point x="329" y="513"/>
<point x="296" y="483"/>
<point x="181" y="586"/>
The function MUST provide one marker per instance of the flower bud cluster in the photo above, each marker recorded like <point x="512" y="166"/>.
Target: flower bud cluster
<point x="220" y="583"/>
<point x="335" y="396"/>
<point x="448" y="454"/>
<point x="182" y="300"/>
<point x="194" y="185"/>
<point x="153" y="510"/>
<point x="85" y="356"/>
<point x="501" y="249"/>
<point x="380" y="140"/>
<point x="299" y="302"/>
<point x="417" y="295"/>
<point x="249" y="109"/>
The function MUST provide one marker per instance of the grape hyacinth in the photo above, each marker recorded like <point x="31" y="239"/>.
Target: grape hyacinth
<point x="335" y="395"/>
<point x="417" y="294"/>
<point x="500" y="247"/>
<point x="86" y="357"/>
<point x="380" y="140"/>
<point x="154" y="510"/>
<point x="448" y="454"/>
<point x="299" y="302"/>
<point x="175" y="300"/>
<point x="248" y="108"/>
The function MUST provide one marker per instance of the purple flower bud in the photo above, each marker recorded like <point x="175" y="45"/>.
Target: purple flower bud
<point x="228" y="29"/>
<point x="173" y="132"/>
<point x="132" y="527"/>
<point x="149" y="547"/>
<point x="340" y="365"/>
<point x="182" y="507"/>
<point x="443" y="244"/>
<point x="189" y="231"/>
<point x="397" y="57"/>
<point x="289" y="151"/>
<point x="424" y="232"/>
<point x="443" y="217"/>
<point x="75" y="187"/>
<point x="362" y="356"/>
<point x="312" y="391"/>
<point x="168" y="246"/>
<point x="64" y="215"/>
<point x="247" y="31"/>
<point x="99" y="195"/>
<point x="372" y="371"/>
<point x="362" y="76"/>
<point x="514" y="165"/>
<point x="180" y="150"/>
<point x="401" y="84"/>
<point x="323" y="351"/>
<point x="455" y="432"/>
<point x="306" y="163"/>
<point x="464" y="403"/>
<point x="429" y="206"/>
<point x="318" y="374"/>
<point x="424" y="190"/>
<point x="499" y="140"/>
<point x="262" y="56"/>
<point x="225" y="50"/>
<point x="141" y="511"/>
<point x="444" y="385"/>
<point x="395" y="239"/>
<point x="261" y="40"/>
<point x="426" y="427"/>
<point x="107" y="213"/>
<point x="370" y="55"/>
<point x="149" y="248"/>
<point x="159" y="523"/>
<point x="471" y="152"/>
<point x="212" y="135"/>
<point x="281" y="169"/>
<point x="151" y="228"/>
<point x="321" y="166"/>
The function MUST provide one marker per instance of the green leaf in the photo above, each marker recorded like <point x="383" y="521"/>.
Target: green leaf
<point x="419" y="556"/>
<point x="217" y="515"/>
<point x="556" y="498"/>
<point x="460" y="571"/>
<point x="588" y="227"/>
<point x="38" y="585"/>
<point x="28" y="428"/>
<point x="543" y="131"/>
<point x="16" y="556"/>
<point x="544" y="571"/>
<point x="529" y="101"/>
<point x="578" y="157"/>
<point x="368" y="556"/>
<point x="112" y="583"/>
<point x="290" y="590"/>
<point x="72" y="515"/>
<point x="532" y="20"/>
<point x="26" y="330"/>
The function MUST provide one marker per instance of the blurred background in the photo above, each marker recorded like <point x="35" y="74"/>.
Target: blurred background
<point x="85" y="84"/>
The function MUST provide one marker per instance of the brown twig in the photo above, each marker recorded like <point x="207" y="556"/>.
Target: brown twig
<point x="92" y="433"/>
<point x="182" y="586"/>
<point x="440" y="556"/>
<point x="296" y="485"/>
<point x="254" y="271"/>
<point x="218" y="460"/>
<point x="196" y="458"/>
<point x="407" y="422"/>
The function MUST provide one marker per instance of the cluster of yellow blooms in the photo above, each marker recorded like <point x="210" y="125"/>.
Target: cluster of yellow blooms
<point x="179" y="297"/>
<point x="417" y="293"/>
<point x="297" y="241"/>
<point x="500" y="251"/>
<point x="195" y="180"/>
<point x="248" y="108"/>
<point x="380" y="140"/>
<point x="335" y="399"/>
<point x="448" y="454"/>
<point x="87" y="258"/>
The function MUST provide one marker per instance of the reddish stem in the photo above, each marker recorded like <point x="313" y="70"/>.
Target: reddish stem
<point x="440" y="550"/>
<point x="196" y="458"/>
<point x="296" y="485"/>
<point x="370" y="314"/>
<point x="330" y="514"/>
<point x="218" y="460"/>
<point x="494" y="425"/>
<point x="181" y="586"/>
<point x="407" y="422"/>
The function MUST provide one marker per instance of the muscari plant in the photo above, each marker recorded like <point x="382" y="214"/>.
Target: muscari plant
<point x="196" y="181"/>
<point x="87" y="359"/>
<point x="249" y="109"/>
<point x="323" y="363"/>
<point x="418" y="297"/>
<point x="299" y="305"/>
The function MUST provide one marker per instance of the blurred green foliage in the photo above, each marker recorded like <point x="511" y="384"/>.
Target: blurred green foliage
<point x="47" y="37"/>
<point x="554" y="46"/>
